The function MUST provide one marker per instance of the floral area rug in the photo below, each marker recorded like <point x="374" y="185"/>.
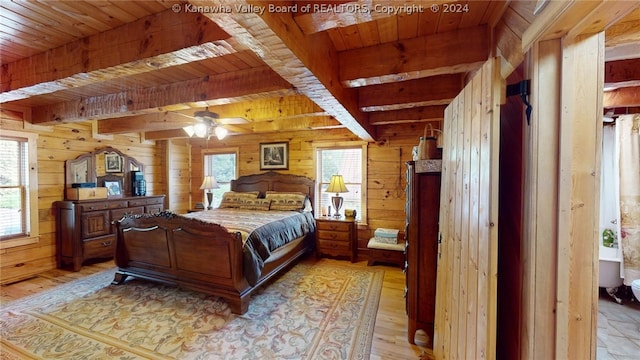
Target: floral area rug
<point x="313" y="311"/>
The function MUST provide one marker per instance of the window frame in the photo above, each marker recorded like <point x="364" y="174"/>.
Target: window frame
<point x="218" y="151"/>
<point x="33" y="235"/>
<point x="337" y="145"/>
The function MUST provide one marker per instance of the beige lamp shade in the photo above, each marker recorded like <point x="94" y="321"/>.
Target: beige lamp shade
<point x="209" y="182"/>
<point x="337" y="185"/>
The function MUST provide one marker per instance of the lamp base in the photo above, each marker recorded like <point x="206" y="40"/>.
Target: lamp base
<point x="209" y="200"/>
<point x="337" y="204"/>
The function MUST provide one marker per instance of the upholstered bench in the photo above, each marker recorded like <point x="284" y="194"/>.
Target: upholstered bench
<point x="386" y="253"/>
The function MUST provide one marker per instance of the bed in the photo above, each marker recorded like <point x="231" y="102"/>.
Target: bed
<point x="194" y="252"/>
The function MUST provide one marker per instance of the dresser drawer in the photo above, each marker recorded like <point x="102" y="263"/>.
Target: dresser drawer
<point x="344" y="236"/>
<point x="146" y="201"/>
<point x="100" y="247"/>
<point x="152" y="209"/>
<point x="103" y="205"/>
<point x="333" y="226"/>
<point x="120" y="213"/>
<point x="328" y="245"/>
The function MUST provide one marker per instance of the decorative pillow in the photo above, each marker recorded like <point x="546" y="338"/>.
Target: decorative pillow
<point x="286" y="201"/>
<point x="256" y="204"/>
<point x="308" y="207"/>
<point x="232" y="199"/>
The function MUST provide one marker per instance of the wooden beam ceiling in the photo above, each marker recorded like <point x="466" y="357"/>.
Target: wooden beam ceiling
<point x="436" y="90"/>
<point x="307" y="62"/>
<point x="416" y="58"/>
<point x="414" y="114"/>
<point x="236" y="86"/>
<point x="133" y="67"/>
<point x="154" y="42"/>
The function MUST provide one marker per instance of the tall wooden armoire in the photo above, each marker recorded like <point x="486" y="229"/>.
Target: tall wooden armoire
<point x="421" y="235"/>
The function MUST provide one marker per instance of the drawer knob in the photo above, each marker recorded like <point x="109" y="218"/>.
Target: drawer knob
<point x="106" y="243"/>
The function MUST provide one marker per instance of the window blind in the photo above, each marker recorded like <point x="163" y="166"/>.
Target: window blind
<point x="14" y="182"/>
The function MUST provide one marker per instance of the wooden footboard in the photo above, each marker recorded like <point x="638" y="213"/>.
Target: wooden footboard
<point x="194" y="255"/>
<point x="202" y="256"/>
<point x="186" y="252"/>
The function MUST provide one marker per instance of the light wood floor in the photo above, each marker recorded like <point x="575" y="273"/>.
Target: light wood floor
<point x="389" y="338"/>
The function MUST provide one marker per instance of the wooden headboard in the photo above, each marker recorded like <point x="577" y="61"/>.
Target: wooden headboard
<point x="275" y="182"/>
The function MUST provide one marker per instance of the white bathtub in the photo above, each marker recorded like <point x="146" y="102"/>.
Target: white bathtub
<point x="609" y="273"/>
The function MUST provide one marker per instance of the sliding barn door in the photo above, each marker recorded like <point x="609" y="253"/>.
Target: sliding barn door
<point x="465" y="324"/>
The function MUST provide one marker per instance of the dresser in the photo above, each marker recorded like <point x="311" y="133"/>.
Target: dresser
<point x="336" y="237"/>
<point x="85" y="229"/>
<point x="421" y="236"/>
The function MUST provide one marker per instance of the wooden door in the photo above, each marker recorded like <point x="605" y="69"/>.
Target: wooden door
<point x="465" y="324"/>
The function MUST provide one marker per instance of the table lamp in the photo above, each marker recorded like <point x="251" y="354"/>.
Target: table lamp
<point x="209" y="182"/>
<point x="337" y="186"/>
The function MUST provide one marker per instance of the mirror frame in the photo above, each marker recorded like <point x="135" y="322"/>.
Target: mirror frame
<point x="96" y="169"/>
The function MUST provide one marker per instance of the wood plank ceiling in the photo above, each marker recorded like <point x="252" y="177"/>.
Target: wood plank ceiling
<point x="147" y="66"/>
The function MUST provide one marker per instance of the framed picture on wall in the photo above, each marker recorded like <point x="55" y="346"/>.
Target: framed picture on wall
<point x="113" y="163"/>
<point x="274" y="156"/>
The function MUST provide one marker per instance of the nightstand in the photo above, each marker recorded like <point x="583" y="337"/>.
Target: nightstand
<point x="336" y="237"/>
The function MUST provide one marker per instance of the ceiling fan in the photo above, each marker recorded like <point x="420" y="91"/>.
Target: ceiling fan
<point x="209" y="124"/>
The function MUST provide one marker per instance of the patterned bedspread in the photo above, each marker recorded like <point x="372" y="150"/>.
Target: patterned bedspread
<point x="262" y="232"/>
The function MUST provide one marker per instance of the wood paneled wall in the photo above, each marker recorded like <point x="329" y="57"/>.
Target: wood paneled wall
<point x="55" y="145"/>
<point x="174" y="168"/>
<point x="178" y="170"/>
<point x="385" y="164"/>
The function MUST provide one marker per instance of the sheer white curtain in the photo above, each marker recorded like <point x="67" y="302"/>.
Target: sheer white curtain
<point x="609" y="194"/>
<point x="628" y="131"/>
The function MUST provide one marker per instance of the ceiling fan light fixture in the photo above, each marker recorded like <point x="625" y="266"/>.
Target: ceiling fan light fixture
<point x="200" y="129"/>
<point x="221" y="132"/>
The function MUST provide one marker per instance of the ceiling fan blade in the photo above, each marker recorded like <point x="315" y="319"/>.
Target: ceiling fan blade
<point x="232" y="121"/>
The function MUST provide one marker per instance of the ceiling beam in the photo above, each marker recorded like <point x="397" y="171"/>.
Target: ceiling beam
<point x="622" y="73"/>
<point x="298" y="123"/>
<point x="264" y="109"/>
<point x="625" y="31"/>
<point x="574" y="17"/>
<point x="142" y="123"/>
<point x="462" y="50"/>
<point x="157" y="41"/>
<point x="165" y="134"/>
<point x="415" y="114"/>
<point x="606" y="14"/>
<point x="243" y="85"/>
<point x="308" y="62"/>
<point x="623" y="97"/>
<point x="436" y="90"/>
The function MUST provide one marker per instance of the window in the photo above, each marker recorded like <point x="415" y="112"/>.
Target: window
<point x="18" y="189"/>
<point x="223" y="166"/>
<point x="348" y="161"/>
